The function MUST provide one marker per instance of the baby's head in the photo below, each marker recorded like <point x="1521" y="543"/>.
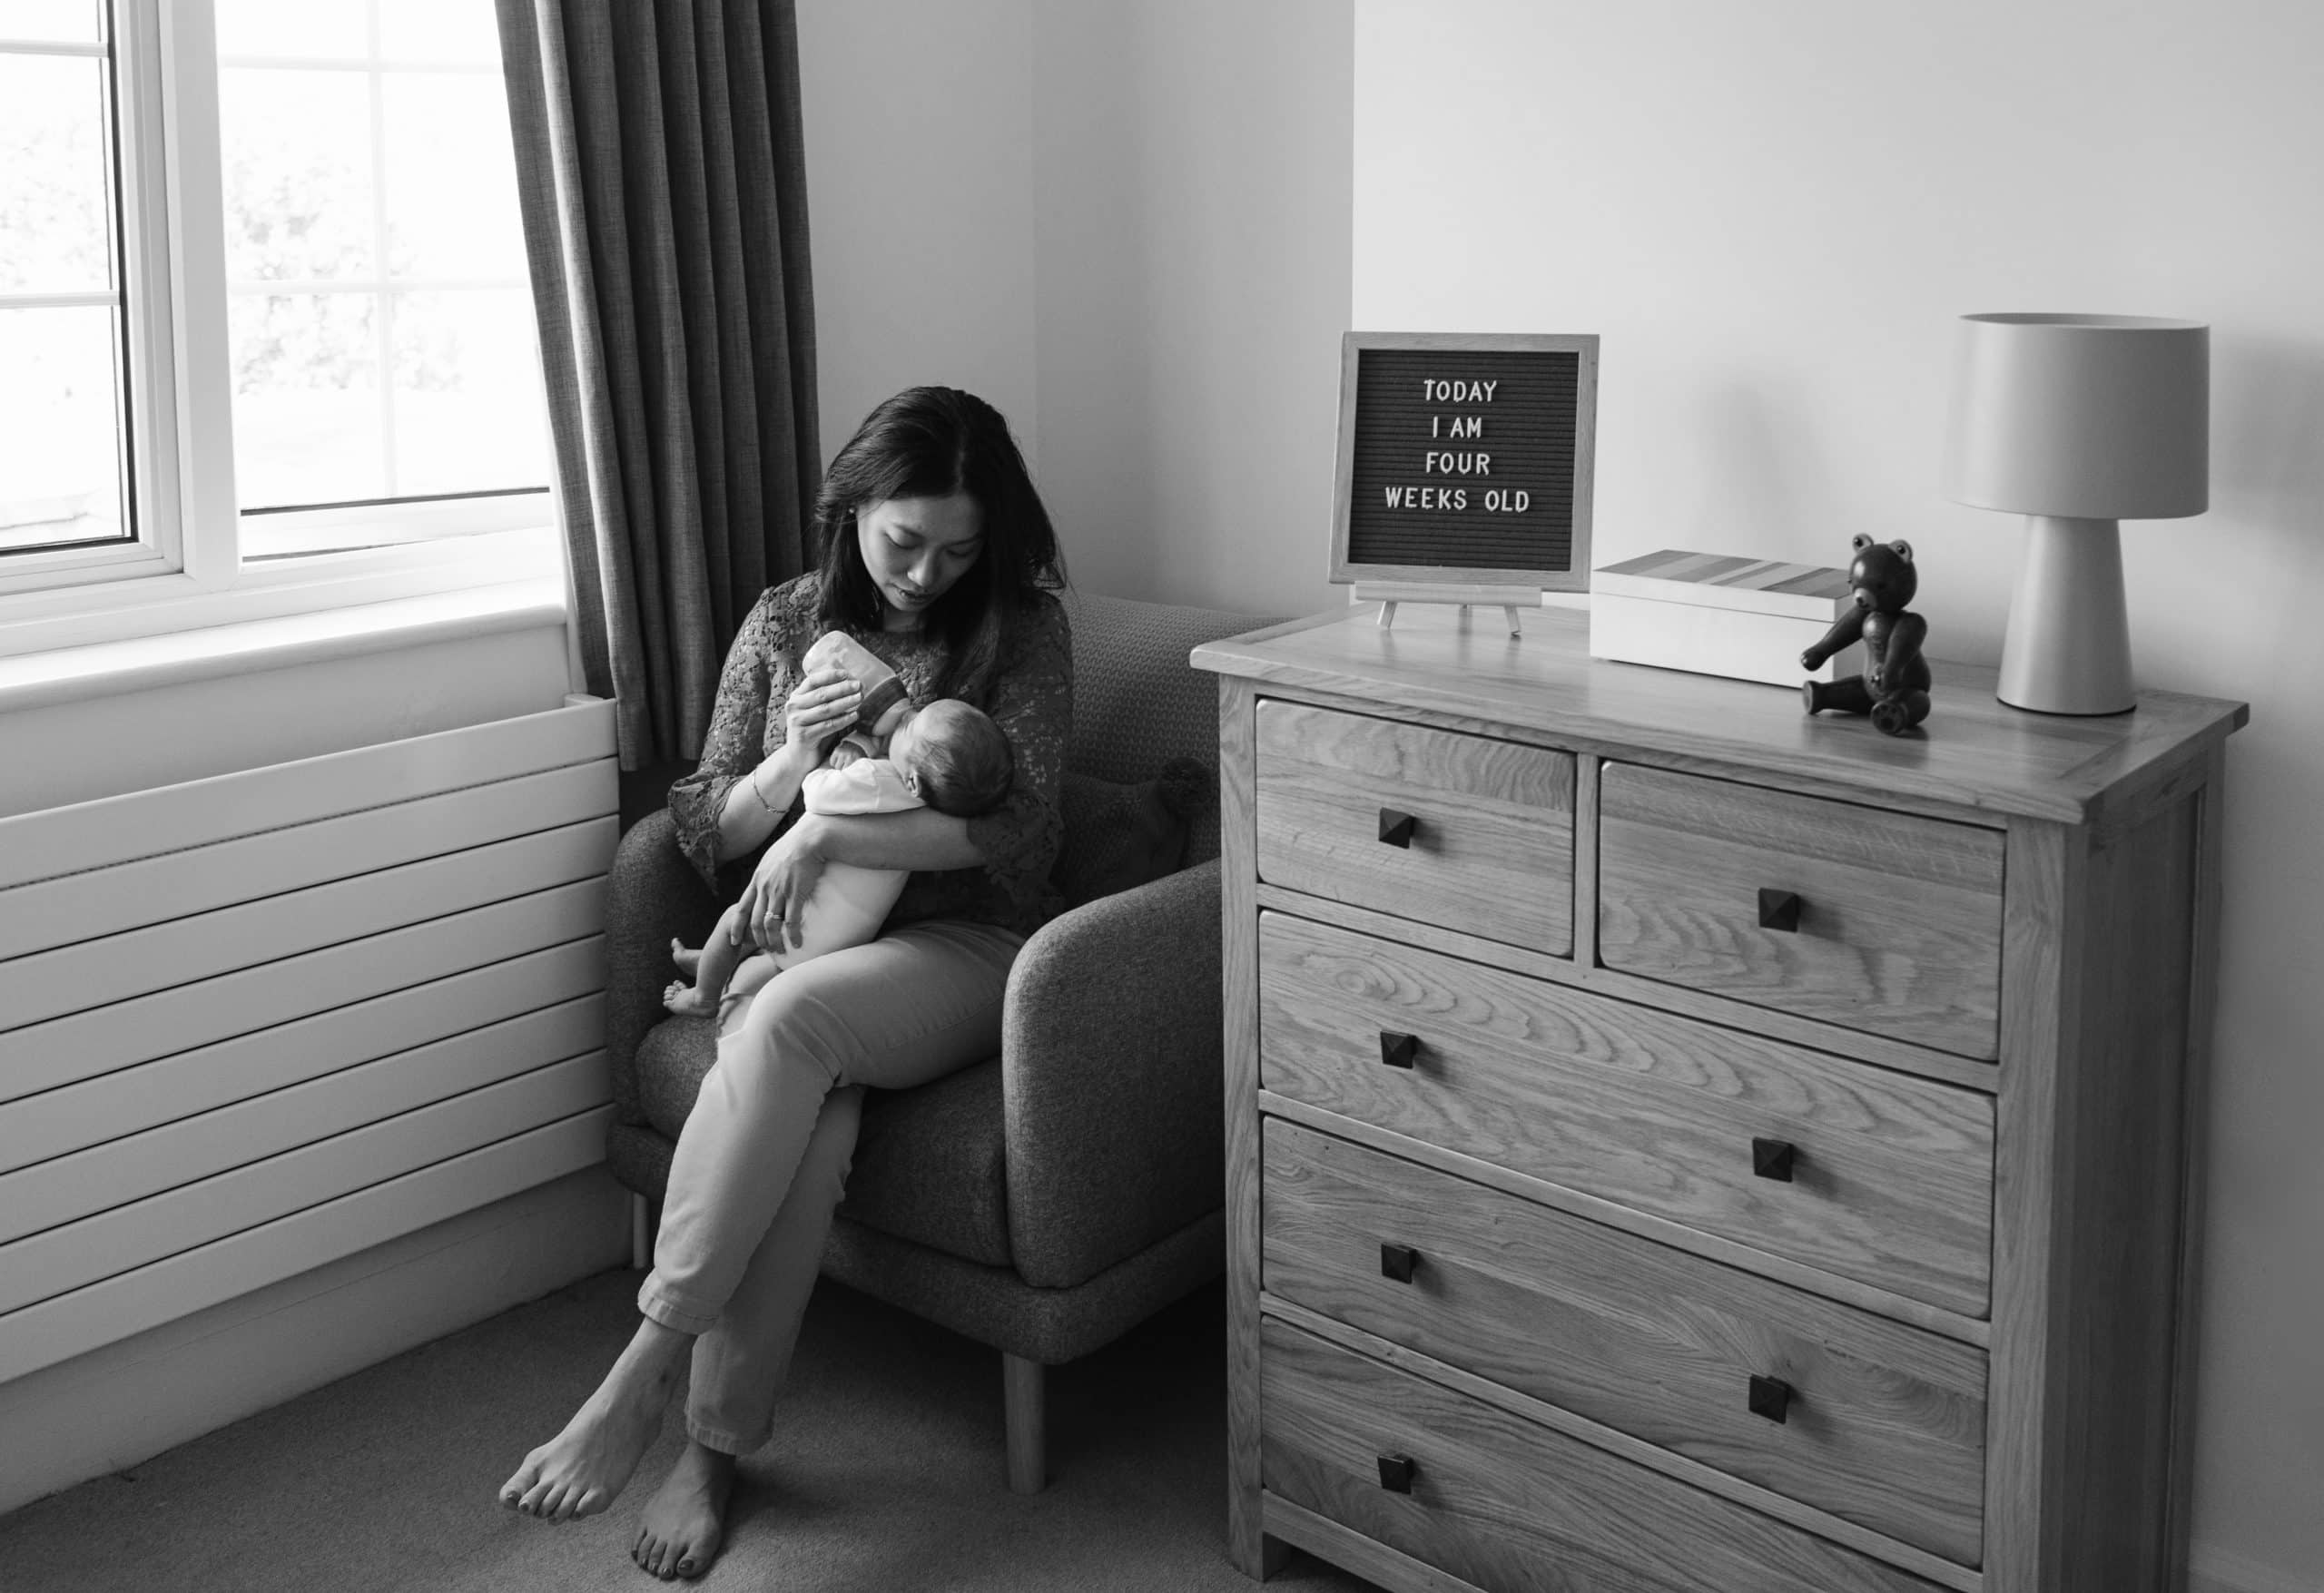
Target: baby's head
<point x="953" y="757"/>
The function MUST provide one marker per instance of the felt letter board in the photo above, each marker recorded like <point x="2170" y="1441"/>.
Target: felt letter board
<point x="1465" y="459"/>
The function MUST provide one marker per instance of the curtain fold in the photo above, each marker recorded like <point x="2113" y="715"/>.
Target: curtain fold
<point x="661" y="172"/>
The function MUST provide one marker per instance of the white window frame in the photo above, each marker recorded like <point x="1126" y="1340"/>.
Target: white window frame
<point x="185" y="571"/>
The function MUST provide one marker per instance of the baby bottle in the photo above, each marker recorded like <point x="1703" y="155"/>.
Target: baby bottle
<point x="884" y="703"/>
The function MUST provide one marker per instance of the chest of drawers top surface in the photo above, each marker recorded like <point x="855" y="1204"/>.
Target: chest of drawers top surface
<point x="1976" y="754"/>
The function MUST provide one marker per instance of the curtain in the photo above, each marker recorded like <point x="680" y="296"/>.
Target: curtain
<point x="660" y="170"/>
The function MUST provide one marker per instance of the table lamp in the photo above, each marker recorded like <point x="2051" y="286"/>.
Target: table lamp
<point x="2077" y="422"/>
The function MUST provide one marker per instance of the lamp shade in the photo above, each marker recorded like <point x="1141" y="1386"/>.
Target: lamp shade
<point x="2095" y="417"/>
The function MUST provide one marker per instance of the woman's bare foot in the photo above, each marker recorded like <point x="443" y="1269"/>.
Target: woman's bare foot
<point x="685" y="1520"/>
<point x="579" y="1471"/>
<point x="687" y="961"/>
<point x="681" y="998"/>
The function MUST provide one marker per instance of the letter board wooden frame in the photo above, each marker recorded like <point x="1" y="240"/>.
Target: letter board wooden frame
<point x="1413" y="502"/>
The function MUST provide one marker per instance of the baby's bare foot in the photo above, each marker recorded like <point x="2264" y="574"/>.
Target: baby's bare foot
<point x="685" y="1520"/>
<point x="687" y="961"/>
<point x="684" y="999"/>
<point x="580" y="1470"/>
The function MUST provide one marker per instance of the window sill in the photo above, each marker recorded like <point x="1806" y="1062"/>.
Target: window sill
<point x="68" y="674"/>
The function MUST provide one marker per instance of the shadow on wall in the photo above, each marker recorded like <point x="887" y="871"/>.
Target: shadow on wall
<point x="1759" y="455"/>
<point x="2268" y="434"/>
<point x="2235" y="607"/>
<point x="2235" y="599"/>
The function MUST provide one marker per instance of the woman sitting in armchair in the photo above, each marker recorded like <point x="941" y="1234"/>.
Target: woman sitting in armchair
<point x="939" y="559"/>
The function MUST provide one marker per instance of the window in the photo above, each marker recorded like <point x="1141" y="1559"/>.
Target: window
<point x="266" y="341"/>
<point x="63" y="369"/>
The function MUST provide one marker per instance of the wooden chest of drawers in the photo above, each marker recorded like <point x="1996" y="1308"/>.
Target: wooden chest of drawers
<point x="1677" y="1145"/>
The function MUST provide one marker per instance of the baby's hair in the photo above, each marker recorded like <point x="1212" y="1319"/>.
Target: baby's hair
<point x="963" y="759"/>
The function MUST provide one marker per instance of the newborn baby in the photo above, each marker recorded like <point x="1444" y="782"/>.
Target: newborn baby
<point x="947" y="756"/>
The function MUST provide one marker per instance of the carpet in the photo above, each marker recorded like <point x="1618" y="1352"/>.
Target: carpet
<point x="885" y="1473"/>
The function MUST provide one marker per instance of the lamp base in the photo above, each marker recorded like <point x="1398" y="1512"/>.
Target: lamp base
<point x="2068" y="647"/>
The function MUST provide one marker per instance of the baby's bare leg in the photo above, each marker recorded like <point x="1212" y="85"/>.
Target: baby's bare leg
<point x="714" y="965"/>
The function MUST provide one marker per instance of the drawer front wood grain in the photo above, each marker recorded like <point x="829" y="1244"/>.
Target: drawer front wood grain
<point x="1490" y="848"/>
<point x="1891" y="1177"/>
<point x="1505" y="1503"/>
<point x="1885" y="1425"/>
<point x="1898" y="918"/>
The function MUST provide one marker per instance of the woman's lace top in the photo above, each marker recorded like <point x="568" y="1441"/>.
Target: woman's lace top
<point x="1031" y="699"/>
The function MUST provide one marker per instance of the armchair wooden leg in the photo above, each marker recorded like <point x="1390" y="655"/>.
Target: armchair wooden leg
<point x="641" y="1232"/>
<point x="1022" y="1388"/>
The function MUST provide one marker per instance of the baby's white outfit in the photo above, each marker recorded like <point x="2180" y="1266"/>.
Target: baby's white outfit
<point x="849" y="902"/>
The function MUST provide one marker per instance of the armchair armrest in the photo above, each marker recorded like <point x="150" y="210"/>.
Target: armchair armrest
<point x="1111" y="1041"/>
<point x="652" y="895"/>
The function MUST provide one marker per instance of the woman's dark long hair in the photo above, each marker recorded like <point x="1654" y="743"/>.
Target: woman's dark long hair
<point x="932" y="442"/>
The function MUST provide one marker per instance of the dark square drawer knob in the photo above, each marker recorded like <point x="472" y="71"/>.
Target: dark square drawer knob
<point x="1395" y="828"/>
<point x="1396" y="1473"/>
<point x="1771" y="1398"/>
<point x="1774" y="1158"/>
<point x="1397" y="1050"/>
<point x="1779" y="909"/>
<point x="1397" y="1261"/>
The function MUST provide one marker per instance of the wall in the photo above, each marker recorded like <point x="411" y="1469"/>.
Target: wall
<point x="1127" y="225"/>
<point x="1771" y="213"/>
<point x="919" y="125"/>
<point x="1192" y="189"/>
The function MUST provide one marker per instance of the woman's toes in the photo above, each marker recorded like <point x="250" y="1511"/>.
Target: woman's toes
<point x="512" y="1492"/>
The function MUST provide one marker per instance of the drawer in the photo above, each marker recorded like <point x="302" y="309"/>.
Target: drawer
<point x="1898" y="925"/>
<point x="1891" y="1176"/>
<point x="1505" y="1503"/>
<point x="1885" y="1425"/>
<point x="1489" y="849"/>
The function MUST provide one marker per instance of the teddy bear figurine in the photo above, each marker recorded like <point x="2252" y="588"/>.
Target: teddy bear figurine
<point x="1894" y="687"/>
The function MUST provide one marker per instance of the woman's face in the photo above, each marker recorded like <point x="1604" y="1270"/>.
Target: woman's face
<point x="916" y="547"/>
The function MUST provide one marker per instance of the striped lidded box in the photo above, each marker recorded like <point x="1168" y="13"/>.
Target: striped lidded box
<point x="1719" y="614"/>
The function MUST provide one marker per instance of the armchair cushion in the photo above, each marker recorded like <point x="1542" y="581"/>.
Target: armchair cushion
<point x="1119" y="836"/>
<point x="672" y="1061"/>
<point x="928" y="1165"/>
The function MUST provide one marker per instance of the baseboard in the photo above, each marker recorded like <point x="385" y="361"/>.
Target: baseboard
<point x="2211" y="1570"/>
<point x="130" y="1401"/>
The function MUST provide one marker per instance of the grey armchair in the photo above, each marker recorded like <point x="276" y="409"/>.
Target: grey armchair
<point x="1047" y="1201"/>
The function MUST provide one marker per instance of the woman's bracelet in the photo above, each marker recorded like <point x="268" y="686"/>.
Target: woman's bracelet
<point x="752" y="779"/>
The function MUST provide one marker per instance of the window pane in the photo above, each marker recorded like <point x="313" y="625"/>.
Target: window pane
<point x="60" y="434"/>
<point x="398" y="174"/>
<point x="306" y="399"/>
<point x="54" y="232"/>
<point x="62" y="21"/>
<point x="333" y="30"/>
<point x="296" y="151"/>
<point x="440" y="30"/>
<point x="468" y="397"/>
<point x="451" y="173"/>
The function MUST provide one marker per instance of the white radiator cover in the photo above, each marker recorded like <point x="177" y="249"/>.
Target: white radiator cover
<point x="252" y="1024"/>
